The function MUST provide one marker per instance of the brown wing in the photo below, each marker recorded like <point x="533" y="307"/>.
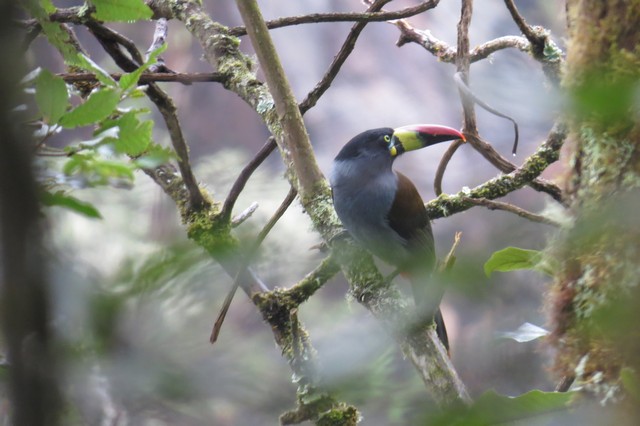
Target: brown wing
<point x="408" y="217"/>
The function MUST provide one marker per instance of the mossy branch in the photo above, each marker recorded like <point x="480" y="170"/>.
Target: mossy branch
<point x="547" y="153"/>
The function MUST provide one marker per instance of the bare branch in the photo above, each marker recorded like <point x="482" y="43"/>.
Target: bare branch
<point x="424" y="38"/>
<point x="499" y="205"/>
<point x="444" y="162"/>
<point x="244" y="215"/>
<point x="484" y="50"/>
<point x="251" y="253"/>
<point x="244" y="176"/>
<point x="111" y="41"/>
<point x="534" y="38"/>
<point x="346" y="49"/>
<point x="152" y="77"/>
<point x="369" y="16"/>
<point x="542" y="48"/>
<point x="462" y="66"/>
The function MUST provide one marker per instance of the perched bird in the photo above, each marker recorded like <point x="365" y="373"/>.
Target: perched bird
<point x="383" y="211"/>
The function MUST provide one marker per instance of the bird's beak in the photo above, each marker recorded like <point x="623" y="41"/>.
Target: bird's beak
<point x="416" y="136"/>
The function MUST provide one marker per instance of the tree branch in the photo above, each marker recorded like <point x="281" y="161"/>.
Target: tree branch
<point x="151" y="77"/>
<point x="369" y="16"/>
<point x="248" y="258"/>
<point x="346" y="49"/>
<point x="547" y="153"/>
<point x="269" y="146"/>
<point x="499" y="205"/>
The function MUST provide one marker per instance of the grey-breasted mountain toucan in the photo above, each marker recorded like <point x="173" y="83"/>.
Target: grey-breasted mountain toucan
<point x="383" y="211"/>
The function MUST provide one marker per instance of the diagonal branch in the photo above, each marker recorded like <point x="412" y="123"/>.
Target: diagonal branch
<point x="269" y="146"/>
<point x="248" y="258"/>
<point x="346" y="49"/>
<point x="547" y="153"/>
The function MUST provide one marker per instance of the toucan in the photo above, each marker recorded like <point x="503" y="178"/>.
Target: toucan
<point x="383" y="211"/>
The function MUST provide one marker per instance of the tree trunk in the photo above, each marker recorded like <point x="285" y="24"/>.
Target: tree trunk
<point x="596" y="291"/>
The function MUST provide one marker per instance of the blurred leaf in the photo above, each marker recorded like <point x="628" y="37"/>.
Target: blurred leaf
<point x="492" y="409"/>
<point x="103" y="77"/>
<point x="52" y="96"/>
<point x="134" y="136"/>
<point x="608" y="100"/>
<point x="71" y="203"/>
<point x="514" y="258"/>
<point x="630" y="382"/>
<point x="121" y="10"/>
<point x="97" y="171"/>
<point x="154" y="156"/>
<point x="97" y="107"/>
<point x="525" y="333"/>
<point x="130" y="79"/>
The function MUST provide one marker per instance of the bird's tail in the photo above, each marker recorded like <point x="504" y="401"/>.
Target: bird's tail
<point x="441" y="330"/>
<point x="427" y="298"/>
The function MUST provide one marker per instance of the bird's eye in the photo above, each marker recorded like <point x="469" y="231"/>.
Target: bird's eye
<point x="387" y="138"/>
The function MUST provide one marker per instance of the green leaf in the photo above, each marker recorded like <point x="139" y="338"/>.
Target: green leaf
<point x="52" y="96"/>
<point x="121" y="10"/>
<point x="492" y="409"/>
<point x="134" y="136"/>
<point x="131" y="79"/>
<point x="71" y="203"/>
<point x="98" y="106"/>
<point x="513" y="258"/>
<point x="103" y="77"/>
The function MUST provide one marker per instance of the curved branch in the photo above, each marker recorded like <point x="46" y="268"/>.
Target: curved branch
<point x="346" y="49"/>
<point x="444" y="162"/>
<point x="268" y="147"/>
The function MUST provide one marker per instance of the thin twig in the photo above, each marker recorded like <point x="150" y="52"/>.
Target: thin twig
<point x="346" y="49"/>
<point x="369" y="16"/>
<point x="499" y="205"/>
<point x="152" y="77"/>
<point x="291" y="195"/>
<point x="444" y="162"/>
<point x="450" y="259"/>
<point x="268" y="147"/>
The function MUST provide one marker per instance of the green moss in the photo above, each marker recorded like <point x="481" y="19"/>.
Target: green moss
<point x="343" y="415"/>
